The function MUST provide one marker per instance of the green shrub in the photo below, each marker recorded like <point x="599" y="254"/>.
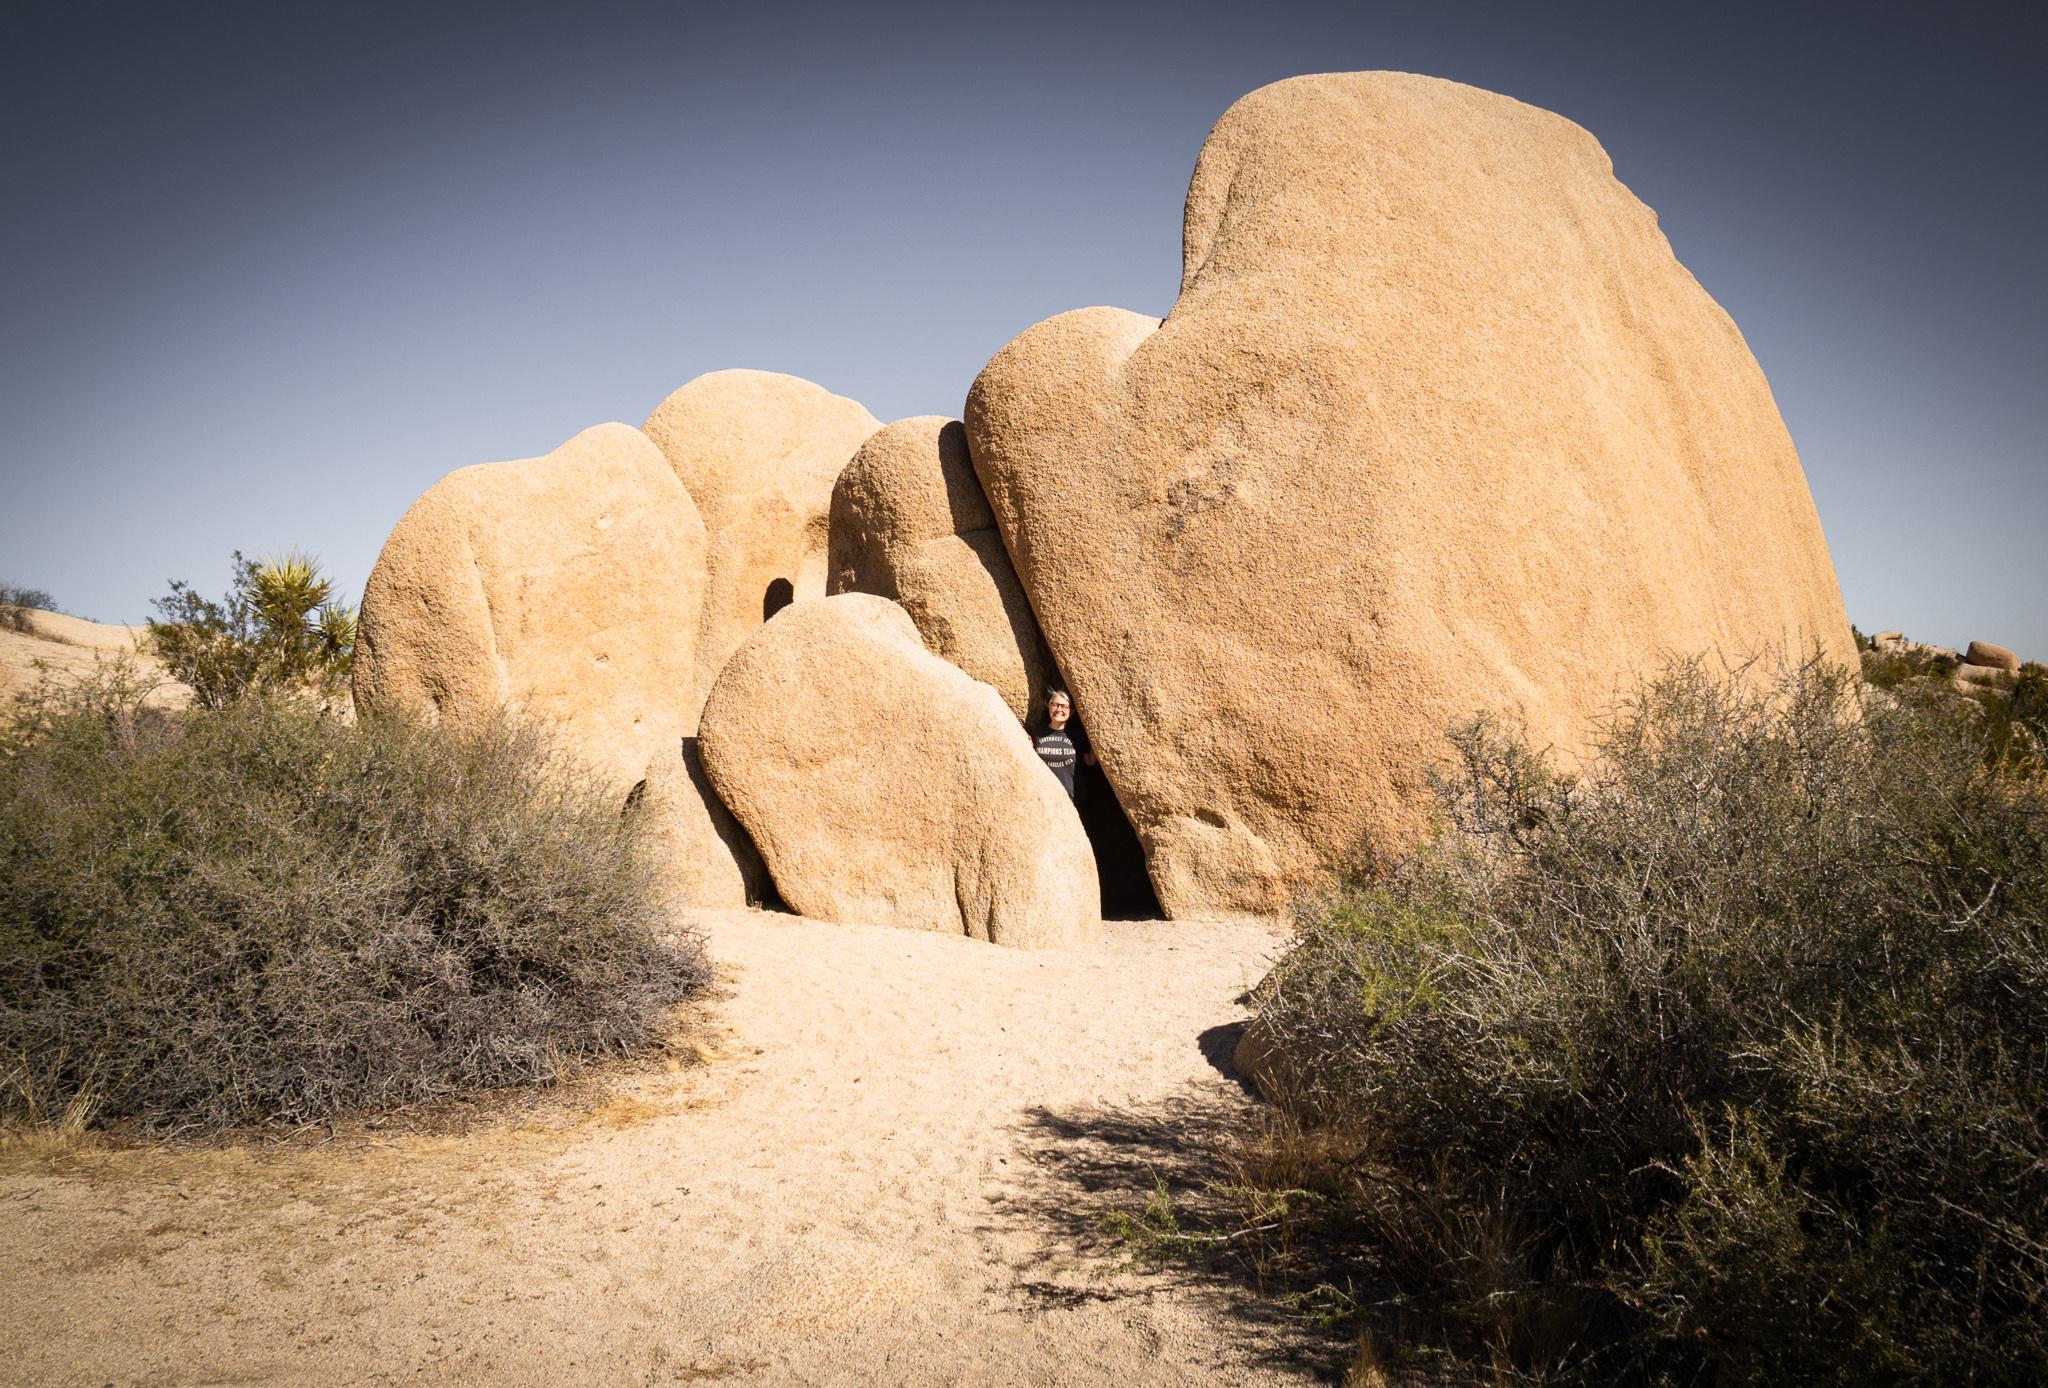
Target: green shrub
<point x="1731" y="1054"/>
<point x="1901" y="665"/>
<point x="264" y="913"/>
<point x="278" y="629"/>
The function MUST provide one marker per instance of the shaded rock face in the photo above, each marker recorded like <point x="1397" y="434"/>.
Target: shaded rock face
<point x="759" y="453"/>
<point x="882" y="784"/>
<point x="909" y="523"/>
<point x="706" y="857"/>
<point x="565" y="588"/>
<point x="1438" y="424"/>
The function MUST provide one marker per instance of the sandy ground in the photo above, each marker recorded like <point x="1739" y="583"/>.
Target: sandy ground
<point x="886" y="1171"/>
<point x="68" y="649"/>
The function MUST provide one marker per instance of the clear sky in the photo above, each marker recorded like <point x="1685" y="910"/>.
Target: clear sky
<point x="265" y="273"/>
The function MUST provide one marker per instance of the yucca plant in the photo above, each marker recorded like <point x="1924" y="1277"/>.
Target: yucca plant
<point x="277" y="628"/>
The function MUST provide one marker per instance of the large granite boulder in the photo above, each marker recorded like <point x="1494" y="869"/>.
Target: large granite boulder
<point x="1437" y="424"/>
<point x="909" y="523"/>
<point x="759" y="453"/>
<point x="565" y="589"/>
<point x="882" y="785"/>
<point x="1992" y="657"/>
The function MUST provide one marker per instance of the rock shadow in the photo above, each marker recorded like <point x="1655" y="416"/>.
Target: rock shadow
<point x="1219" y="1048"/>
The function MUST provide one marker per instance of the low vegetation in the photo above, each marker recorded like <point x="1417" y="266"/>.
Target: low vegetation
<point x="261" y="913"/>
<point x="17" y="602"/>
<point x="278" y="629"/>
<point x="2012" y="709"/>
<point x="1724" y="1062"/>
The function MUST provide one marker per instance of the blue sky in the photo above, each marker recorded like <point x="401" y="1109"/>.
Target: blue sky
<point x="268" y="272"/>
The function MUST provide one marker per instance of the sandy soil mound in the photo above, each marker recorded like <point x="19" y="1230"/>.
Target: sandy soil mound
<point x="69" y="648"/>
<point x="879" y="1176"/>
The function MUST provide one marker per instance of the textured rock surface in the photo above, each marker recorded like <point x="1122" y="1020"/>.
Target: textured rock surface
<point x="1995" y="657"/>
<point x="565" y="588"/>
<point x="909" y="523"/>
<point x="882" y="784"/>
<point x="1438" y="423"/>
<point x="1993" y="676"/>
<point x="707" y="859"/>
<point x="759" y="453"/>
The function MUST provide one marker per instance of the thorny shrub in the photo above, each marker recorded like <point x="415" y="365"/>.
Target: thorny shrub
<point x="1724" y="1061"/>
<point x="264" y="913"/>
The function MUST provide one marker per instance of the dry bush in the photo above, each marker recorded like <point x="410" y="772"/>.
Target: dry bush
<point x="263" y="913"/>
<point x="1725" y="1062"/>
<point x="16" y="603"/>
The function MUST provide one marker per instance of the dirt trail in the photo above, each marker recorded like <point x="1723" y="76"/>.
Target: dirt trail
<point x="879" y="1177"/>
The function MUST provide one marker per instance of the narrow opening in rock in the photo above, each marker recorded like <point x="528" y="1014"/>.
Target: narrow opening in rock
<point x="781" y="593"/>
<point x="1119" y="858"/>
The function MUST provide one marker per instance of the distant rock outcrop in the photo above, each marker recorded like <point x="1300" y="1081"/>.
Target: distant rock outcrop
<point x="1992" y="657"/>
<point x="909" y="523"/>
<point x="565" y="588"/>
<point x="759" y="453"/>
<point x="881" y="784"/>
<point x="1438" y="424"/>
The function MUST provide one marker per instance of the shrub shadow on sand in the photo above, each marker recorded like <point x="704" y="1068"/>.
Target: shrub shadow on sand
<point x="1143" y="1195"/>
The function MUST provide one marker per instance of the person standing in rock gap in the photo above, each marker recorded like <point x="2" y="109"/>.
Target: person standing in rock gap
<point x="1061" y="747"/>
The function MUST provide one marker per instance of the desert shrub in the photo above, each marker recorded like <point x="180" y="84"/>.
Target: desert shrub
<point x="1723" y="1061"/>
<point x="278" y="629"/>
<point x="1901" y="665"/>
<point x="264" y="913"/>
<point x="15" y="603"/>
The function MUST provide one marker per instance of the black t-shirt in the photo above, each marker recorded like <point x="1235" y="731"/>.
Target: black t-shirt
<point x="1062" y="752"/>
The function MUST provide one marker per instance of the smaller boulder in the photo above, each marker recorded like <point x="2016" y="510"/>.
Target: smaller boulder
<point x="759" y="452"/>
<point x="883" y="785"/>
<point x="1993" y="657"/>
<point x="706" y="858"/>
<point x="1259" y="1063"/>
<point x="1987" y="676"/>
<point x="909" y="523"/>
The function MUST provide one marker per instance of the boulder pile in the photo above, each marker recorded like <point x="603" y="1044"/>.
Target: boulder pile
<point x="1438" y="425"/>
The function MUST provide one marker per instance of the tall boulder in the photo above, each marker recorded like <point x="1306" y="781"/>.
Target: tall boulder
<point x="909" y="523"/>
<point x="565" y="588"/>
<point x="883" y="785"/>
<point x="759" y="453"/>
<point x="1437" y="424"/>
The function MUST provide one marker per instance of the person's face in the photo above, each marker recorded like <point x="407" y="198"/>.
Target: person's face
<point x="1057" y="711"/>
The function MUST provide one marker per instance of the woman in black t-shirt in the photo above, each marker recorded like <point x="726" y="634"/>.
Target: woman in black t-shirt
<point x="1061" y="744"/>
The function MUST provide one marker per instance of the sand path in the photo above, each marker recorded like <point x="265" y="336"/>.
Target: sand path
<point x="879" y="1176"/>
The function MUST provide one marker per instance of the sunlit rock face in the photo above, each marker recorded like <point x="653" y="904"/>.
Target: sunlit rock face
<point x="1438" y="424"/>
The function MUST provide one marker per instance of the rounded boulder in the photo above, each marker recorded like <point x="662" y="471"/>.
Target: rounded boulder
<point x="759" y="452"/>
<point x="883" y="785"/>
<point x="564" y="589"/>
<point x="1438" y="425"/>
<point x="909" y="523"/>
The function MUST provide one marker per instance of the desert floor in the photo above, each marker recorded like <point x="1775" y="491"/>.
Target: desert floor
<point x="889" y="1168"/>
<point x="69" y="649"/>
